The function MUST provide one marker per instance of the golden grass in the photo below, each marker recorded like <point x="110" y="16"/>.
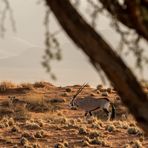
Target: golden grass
<point x="5" y="85"/>
<point x="28" y="86"/>
<point x="62" y="127"/>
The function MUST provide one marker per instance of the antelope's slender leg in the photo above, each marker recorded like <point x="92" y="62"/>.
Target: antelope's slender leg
<point x="86" y="113"/>
<point x="90" y="113"/>
<point x="106" y="111"/>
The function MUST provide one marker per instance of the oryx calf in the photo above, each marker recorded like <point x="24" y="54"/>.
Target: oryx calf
<point x="89" y="103"/>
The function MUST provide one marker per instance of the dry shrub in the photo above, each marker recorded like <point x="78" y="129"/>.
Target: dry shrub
<point x="41" y="107"/>
<point x="94" y="133"/>
<point x="82" y="130"/>
<point x="5" y="103"/>
<point x="6" y="112"/>
<point x="6" y="85"/>
<point x="100" y="86"/>
<point x="100" y="141"/>
<point x="92" y="120"/>
<point x="40" y="134"/>
<point x="24" y="141"/>
<point x="85" y="143"/>
<point x="105" y="94"/>
<point x="21" y="114"/>
<point x="60" y="120"/>
<point x="15" y="129"/>
<point x="7" y="122"/>
<point x="15" y="146"/>
<point x="11" y="121"/>
<point x="56" y="100"/>
<point x="4" y="122"/>
<point x="36" y="145"/>
<point x="27" y="86"/>
<point x="109" y="90"/>
<point x="73" y="108"/>
<point x="134" y="131"/>
<point x="32" y="125"/>
<point x="40" y="122"/>
<point x="110" y="128"/>
<point x="36" y="103"/>
<point x="43" y="85"/>
<point x="97" y="141"/>
<point x="68" y="89"/>
<point x="7" y="140"/>
<point x="136" y="144"/>
<point x="59" y="145"/>
<point x="40" y="84"/>
<point x="126" y="146"/>
<point x="28" y="136"/>
<point x="65" y="94"/>
<point x="62" y="144"/>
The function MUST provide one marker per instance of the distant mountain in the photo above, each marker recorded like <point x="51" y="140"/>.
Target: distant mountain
<point x="31" y="57"/>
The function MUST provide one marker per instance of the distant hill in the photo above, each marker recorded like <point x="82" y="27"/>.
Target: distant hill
<point x="29" y="58"/>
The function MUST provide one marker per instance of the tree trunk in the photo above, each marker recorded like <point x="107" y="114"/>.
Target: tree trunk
<point x="100" y="53"/>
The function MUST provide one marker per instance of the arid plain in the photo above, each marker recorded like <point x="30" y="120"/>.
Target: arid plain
<point x="40" y="117"/>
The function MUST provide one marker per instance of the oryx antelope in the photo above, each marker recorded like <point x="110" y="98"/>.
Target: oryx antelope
<point x="90" y="104"/>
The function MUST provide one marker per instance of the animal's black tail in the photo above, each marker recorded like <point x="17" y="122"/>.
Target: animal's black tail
<point x="113" y="112"/>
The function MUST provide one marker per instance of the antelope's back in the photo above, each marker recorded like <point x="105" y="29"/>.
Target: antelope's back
<point x="90" y="103"/>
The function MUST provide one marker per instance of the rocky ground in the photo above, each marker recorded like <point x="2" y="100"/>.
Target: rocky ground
<point x="43" y="119"/>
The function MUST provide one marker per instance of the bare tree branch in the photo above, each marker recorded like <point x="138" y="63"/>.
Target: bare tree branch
<point x="129" y="14"/>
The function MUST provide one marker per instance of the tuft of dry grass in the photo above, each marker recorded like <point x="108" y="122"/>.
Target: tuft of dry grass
<point x="36" y="103"/>
<point x="82" y="130"/>
<point x="110" y="128"/>
<point x="94" y="133"/>
<point x="28" y="135"/>
<point x="105" y="94"/>
<point x="85" y="143"/>
<point x="134" y="130"/>
<point x="56" y="100"/>
<point x="32" y="125"/>
<point x="6" y="122"/>
<point x="5" y="85"/>
<point x="39" y="134"/>
<point x="27" y="86"/>
<point x="15" y="129"/>
<point x="62" y="144"/>
<point x="136" y="144"/>
<point x="65" y="94"/>
<point x="101" y="142"/>
<point x="24" y="141"/>
<point x="21" y="114"/>
<point x="4" y="111"/>
<point x="68" y="89"/>
<point x="59" y="145"/>
<point x="60" y="120"/>
<point x="36" y="145"/>
<point x="40" y="84"/>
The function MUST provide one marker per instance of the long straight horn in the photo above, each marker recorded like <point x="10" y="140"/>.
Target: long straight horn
<point x="79" y="90"/>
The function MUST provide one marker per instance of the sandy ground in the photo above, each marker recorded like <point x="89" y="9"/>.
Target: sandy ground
<point x="44" y="119"/>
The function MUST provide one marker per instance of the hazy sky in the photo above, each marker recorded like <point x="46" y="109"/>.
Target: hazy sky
<point x="21" y="52"/>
